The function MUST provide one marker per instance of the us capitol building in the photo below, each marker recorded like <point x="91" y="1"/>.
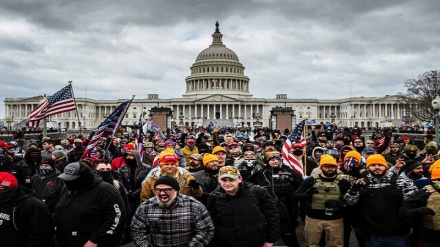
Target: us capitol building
<point x="217" y="90"/>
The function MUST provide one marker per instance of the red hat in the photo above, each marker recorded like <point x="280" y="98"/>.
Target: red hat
<point x="297" y="146"/>
<point x="233" y="144"/>
<point x="7" y="180"/>
<point x="2" y="144"/>
<point x="128" y="147"/>
<point x="168" y="159"/>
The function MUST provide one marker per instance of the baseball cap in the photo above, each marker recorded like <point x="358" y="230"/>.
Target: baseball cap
<point x="71" y="171"/>
<point x="228" y="172"/>
<point x="7" y="180"/>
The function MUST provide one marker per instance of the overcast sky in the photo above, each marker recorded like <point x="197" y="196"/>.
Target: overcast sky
<point x="307" y="49"/>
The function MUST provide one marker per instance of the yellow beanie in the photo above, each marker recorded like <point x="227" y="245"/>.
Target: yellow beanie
<point x="377" y="159"/>
<point x="353" y="154"/>
<point x="435" y="170"/>
<point x="208" y="158"/>
<point x="327" y="159"/>
<point x="218" y="149"/>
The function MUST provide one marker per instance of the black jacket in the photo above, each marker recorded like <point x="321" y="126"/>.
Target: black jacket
<point x="96" y="213"/>
<point x="30" y="224"/>
<point x="48" y="188"/>
<point x="408" y="211"/>
<point x="249" y="218"/>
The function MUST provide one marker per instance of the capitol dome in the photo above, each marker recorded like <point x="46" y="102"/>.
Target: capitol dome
<point x="217" y="51"/>
<point x="217" y="70"/>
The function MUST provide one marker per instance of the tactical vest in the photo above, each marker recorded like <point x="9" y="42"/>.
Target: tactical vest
<point x="432" y="221"/>
<point x="282" y="183"/>
<point x="327" y="191"/>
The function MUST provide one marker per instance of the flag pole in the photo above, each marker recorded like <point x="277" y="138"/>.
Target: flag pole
<point x="44" y="127"/>
<point x="120" y="120"/>
<point x="76" y="108"/>
<point x="305" y="151"/>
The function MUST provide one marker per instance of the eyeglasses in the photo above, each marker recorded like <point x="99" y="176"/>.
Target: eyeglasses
<point x="370" y="143"/>
<point x="166" y="190"/>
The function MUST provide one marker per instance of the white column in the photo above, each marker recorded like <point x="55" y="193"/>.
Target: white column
<point x="190" y="112"/>
<point x="207" y="108"/>
<point x="239" y="111"/>
<point x="227" y="111"/>
<point x="195" y="110"/>
<point x="221" y="111"/>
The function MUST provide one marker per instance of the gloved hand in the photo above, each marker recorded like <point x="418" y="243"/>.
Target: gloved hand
<point x="424" y="211"/>
<point x="333" y="204"/>
<point x="194" y="184"/>
<point x="358" y="185"/>
<point x="310" y="192"/>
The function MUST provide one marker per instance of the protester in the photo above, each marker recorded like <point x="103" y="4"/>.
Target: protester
<point x="243" y="214"/>
<point x="24" y="219"/>
<point x="47" y="185"/>
<point x="169" y="166"/>
<point x="323" y="193"/>
<point x="171" y="219"/>
<point x="423" y="211"/>
<point x="380" y="195"/>
<point x="90" y="212"/>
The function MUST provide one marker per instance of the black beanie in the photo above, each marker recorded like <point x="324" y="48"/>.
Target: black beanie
<point x="168" y="180"/>
<point x="411" y="165"/>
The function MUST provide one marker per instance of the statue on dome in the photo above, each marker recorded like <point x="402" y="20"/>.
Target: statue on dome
<point x="216" y="26"/>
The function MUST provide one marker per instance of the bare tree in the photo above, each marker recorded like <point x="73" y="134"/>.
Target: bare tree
<point x="420" y="93"/>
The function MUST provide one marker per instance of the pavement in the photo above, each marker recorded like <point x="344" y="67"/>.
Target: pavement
<point x="300" y="235"/>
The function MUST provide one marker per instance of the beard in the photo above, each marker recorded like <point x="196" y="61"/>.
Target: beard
<point x="329" y="173"/>
<point x="415" y="176"/>
<point x="378" y="174"/>
<point x="167" y="203"/>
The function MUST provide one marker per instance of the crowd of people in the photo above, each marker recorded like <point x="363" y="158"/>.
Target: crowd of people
<point x="221" y="187"/>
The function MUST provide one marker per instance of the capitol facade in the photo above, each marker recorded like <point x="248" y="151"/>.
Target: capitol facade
<point x="218" y="91"/>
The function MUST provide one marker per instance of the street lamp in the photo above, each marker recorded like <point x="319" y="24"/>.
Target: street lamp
<point x="436" y="105"/>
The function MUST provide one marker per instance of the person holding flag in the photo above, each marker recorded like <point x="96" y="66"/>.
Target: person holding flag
<point x="293" y="152"/>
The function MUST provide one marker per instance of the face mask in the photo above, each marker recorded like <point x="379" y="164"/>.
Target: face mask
<point x="45" y="170"/>
<point x="80" y="183"/>
<point x="297" y="152"/>
<point x="318" y="156"/>
<point x="250" y="162"/>
<point x="7" y="194"/>
<point x="130" y="162"/>
<point x="107" y="176"/>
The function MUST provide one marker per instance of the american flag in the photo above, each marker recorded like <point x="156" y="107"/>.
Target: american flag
<point x="296" y="136"/>
<point x="138" y="141"/>
<point x="107" y="127"/>
<point x="61" y="101"/>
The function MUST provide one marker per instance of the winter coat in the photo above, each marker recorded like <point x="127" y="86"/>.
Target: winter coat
<point x="25" y="221"/>
<point x="96" y="213"/>
<point x="48" y="188"/>
<point x="250" y="218"/>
